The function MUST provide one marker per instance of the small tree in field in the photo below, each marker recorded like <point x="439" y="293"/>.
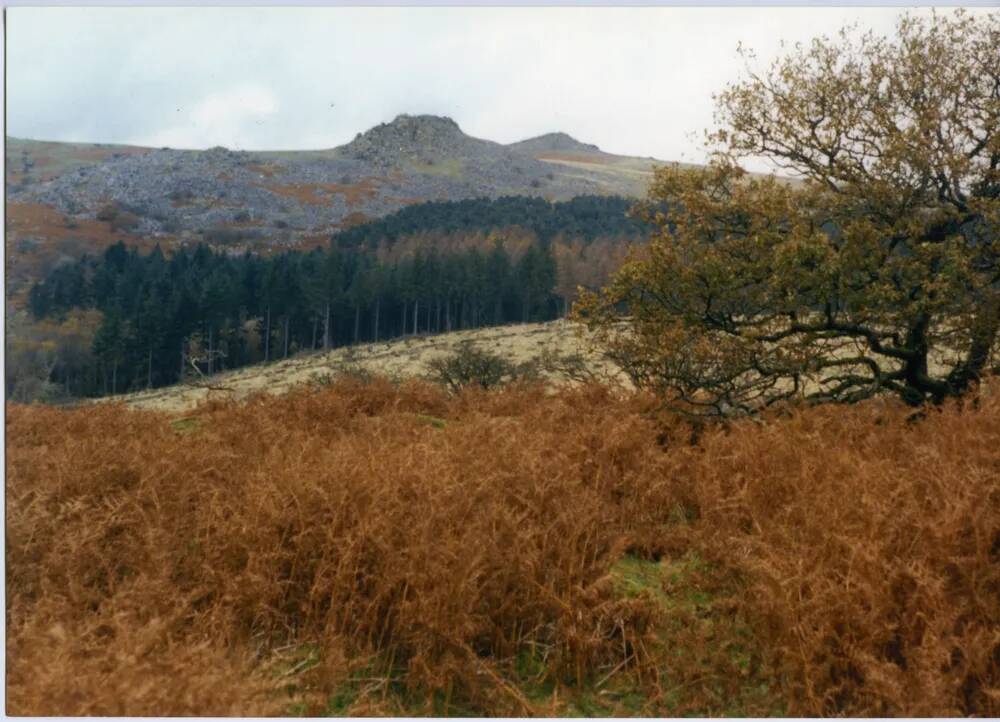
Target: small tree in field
<point x="875" y="268"/>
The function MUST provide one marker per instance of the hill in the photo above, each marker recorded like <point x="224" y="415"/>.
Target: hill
<point x="288" y="198"/>
<point x="67" y="199"/>
<point x="553" y="143"/>
<point x="555" y="347"/>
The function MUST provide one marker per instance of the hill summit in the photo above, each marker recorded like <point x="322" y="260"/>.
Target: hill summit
<point x="418" y="139"/>
<point x="553" y="142"/>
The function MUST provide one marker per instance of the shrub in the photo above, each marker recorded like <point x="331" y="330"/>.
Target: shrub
<point x="472" y="366"/>
<point x="108" y="212"/>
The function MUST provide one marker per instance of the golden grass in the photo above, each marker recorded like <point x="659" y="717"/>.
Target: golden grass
<point x="252" y="555"/>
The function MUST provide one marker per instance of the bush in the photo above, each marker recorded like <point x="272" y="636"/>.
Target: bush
<point x="125" y="222"/>
<point x="108" y="212"/>
<point x="471" y="366"/>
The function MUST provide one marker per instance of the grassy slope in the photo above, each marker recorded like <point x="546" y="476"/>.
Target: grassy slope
<point x="399" y="358"/>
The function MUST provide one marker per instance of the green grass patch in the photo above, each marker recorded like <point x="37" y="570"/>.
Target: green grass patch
<point x="446" y="168"/>
<point x="704" y="662"/>
<point x="707" y="659"/>
<point x="432" y="421"/>
<point x="186" y="425"/>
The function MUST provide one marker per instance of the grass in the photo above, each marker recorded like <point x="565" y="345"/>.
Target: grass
<point x="186" y="425"/>
<point x="622" y="692"/>
<point x="444" y="168"/>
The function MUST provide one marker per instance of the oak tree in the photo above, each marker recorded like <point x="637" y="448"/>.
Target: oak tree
<point x="869" y="264"/>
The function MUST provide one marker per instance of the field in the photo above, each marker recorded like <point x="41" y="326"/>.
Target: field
<point x="375" y="548"/>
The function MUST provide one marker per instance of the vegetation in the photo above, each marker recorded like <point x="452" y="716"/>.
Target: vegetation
<point x="469" y="365"/>
<point x="199" y="312"/>
<point x="583" y="217"/>
<point x="52" y="359"/>
<point x="476" y="547"/>
<point x="880" y="271"/>
<point x="525" y="552"/>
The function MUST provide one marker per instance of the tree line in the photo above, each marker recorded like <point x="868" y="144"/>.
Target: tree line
<point x="196" y="311"/>
<point x="199" y="312"/>
<point x="583" y="217"/>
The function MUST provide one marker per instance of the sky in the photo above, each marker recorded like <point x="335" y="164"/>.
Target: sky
<point x="633" y="80"/>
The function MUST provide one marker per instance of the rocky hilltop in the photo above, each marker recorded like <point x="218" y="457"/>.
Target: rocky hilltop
<point x="220" y="195"/>
<point x="554" y="143"/>
<point x="417" y="139"/>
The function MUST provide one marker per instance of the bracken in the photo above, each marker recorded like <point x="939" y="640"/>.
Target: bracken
<point x="198" y="568"/>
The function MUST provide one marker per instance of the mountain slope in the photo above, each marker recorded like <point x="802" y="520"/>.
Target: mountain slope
<point x="553" y="142"/>
<point x="290" y="198"/>
<point x="67" y="199"/>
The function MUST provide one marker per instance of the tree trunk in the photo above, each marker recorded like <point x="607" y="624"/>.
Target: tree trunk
<point x="183" y="359"/>
<point x="114" y="378"/>
<point x="211" y="349"/>
<point x="917" y="381"/>
<point x="403" y="325"/>
<point x="315" y="332"/>
<point x="985" y="329"/>
<point x="285" y="355"/>
<point x="357" y="322"/>
<point x="447" y="315"/>
<point x="378" y="303"/>
<point x="326" y="328"/>
<point x="149" y="369"/>
<point x="267" y="336"/>
<point x="416" y="310"/>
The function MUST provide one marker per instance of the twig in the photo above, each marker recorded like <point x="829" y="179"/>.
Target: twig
<point x="298" y="667"/>
<point x="610" y="674"/>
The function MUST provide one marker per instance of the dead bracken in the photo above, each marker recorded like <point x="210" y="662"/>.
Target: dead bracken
<point x="526" y="552"/>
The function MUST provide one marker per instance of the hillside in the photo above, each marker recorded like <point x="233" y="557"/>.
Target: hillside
<point x="553" y="345"/>
<point x="67" y="199"/>
<point x="287" y="198"/>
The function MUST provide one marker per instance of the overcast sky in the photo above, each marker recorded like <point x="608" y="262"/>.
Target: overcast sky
<point x="635" y="81"/>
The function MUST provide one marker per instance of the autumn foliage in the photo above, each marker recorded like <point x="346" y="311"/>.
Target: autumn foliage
<point x="167" y="566"/>
<point x="873" y="267"/>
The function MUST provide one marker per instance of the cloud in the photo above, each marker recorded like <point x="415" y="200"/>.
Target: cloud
<point x="224" y="118"/>
<point x="632" y="80"/>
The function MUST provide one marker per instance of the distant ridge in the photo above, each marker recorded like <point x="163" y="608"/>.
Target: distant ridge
<point x="553" y="142"/>
<point x="68" y="199"/>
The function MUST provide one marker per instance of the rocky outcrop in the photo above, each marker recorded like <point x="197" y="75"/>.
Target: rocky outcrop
<point x="553" y="143"/>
